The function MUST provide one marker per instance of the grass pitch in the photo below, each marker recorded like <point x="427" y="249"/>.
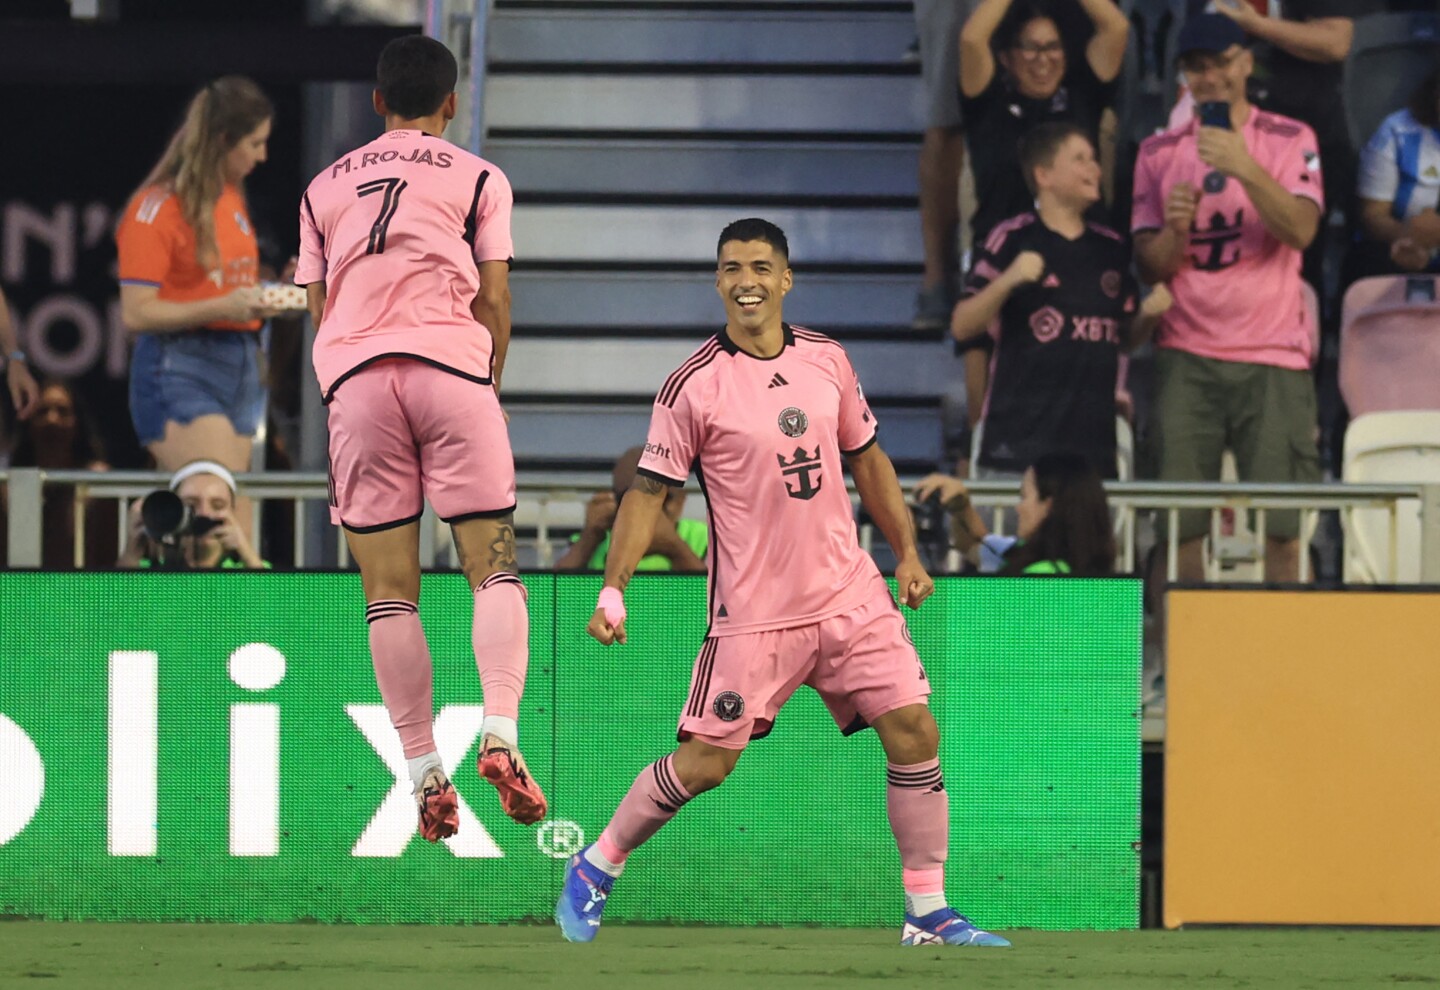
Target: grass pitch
<point x="35" y="954"/>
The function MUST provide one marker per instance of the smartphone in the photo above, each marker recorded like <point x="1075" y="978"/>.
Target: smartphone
<point x="1215" y="113"/>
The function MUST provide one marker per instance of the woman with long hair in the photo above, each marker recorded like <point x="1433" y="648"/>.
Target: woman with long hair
<point x="188" y="273"/>
<point x="1063" y="520"/>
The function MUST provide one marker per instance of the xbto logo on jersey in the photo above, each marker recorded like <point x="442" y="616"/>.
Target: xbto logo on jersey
<point x="793" y="422"/>
<point x="801" y="463"/>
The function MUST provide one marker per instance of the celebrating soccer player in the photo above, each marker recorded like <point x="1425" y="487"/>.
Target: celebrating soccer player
<point x="405" y="249"/>
<point x="764" y="412"/>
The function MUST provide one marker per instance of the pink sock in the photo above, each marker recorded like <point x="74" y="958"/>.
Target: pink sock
<point x="919" y="811"/>
<point x="501" y="637"/>
<point x="402" y="669"/>
<point x="652" y="801"/>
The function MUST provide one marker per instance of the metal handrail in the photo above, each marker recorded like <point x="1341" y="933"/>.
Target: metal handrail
<point x="540" y="491"/>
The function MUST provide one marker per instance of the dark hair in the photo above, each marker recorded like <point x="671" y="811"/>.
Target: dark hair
<point x="1076" y="530"/>
<point x="415" y="75"/>
<point x="1040" y="145"/>
<point x="1423" y="102"/>
<point x="1007" y="35"/>
<point x="755" y="229"/>
<point x="86" y="447"/>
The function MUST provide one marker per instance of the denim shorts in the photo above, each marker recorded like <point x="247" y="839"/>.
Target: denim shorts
<point x="178" y="377"/>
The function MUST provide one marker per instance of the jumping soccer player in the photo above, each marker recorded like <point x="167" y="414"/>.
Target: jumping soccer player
<point x="763" y="412"/>
<point x="405" y="252"/>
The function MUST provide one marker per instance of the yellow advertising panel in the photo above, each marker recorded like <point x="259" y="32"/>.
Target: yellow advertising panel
<point x="1302" y="758"/>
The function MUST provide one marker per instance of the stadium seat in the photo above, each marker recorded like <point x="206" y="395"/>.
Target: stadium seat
<point x="1389" y="57"/>
<point x="1397" y="446"/>
<point x="1390" y="344"/>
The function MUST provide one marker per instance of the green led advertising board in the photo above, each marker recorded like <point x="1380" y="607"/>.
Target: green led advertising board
<point x="213" y="747"/>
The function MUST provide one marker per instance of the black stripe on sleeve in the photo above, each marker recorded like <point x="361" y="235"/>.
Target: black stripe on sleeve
<point x="874" y="438"/>
<point x="470" y="222"/>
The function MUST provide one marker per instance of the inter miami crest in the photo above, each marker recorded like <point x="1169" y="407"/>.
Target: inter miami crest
<point x="793" y="422"/>
<point x="728" y="706"/>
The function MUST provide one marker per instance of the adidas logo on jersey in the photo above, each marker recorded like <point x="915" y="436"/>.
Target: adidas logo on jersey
<point x="777" y="381"/>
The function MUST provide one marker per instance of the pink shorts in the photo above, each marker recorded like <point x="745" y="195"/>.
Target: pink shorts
<point x="402" y="431"/>
<point x="862" y="664"/>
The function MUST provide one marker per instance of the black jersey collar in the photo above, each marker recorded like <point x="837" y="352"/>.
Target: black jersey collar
<point x="730" y="347"/>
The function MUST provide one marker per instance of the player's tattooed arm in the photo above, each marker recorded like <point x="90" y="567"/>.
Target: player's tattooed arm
<point x="634" y="529"/>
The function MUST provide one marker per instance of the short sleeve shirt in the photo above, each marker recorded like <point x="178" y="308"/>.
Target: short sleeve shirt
<point x="999" y="117"/>
<point x="766" y="439"/>
<point x="1052" y="382"/>
<point x="1401" y="166"/>
<point x="396" y="230"/>
<point x="155" y="245"/>
<point x="1237" y="294"/>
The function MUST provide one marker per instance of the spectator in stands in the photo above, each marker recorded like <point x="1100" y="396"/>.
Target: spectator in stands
<point x="1014" y="74"/>
<point x="679" y="544"/>
<point x="1400" y="187"/>
<point x="218" y="542"/>
<point x="24" y="393"/>
<point x="1222" y="213"/>
<point x="1058" y="292"/>
<point x="188" y="266"/>
<point x="1300" y="52"/>
<point x="942" y="156"/>
<point x="1063" y="521"/>
<point x="59" y="435"/>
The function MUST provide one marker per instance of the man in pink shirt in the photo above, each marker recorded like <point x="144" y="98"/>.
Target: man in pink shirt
<point x="768" y="416"/>
<point x="405" y="252"/>
<point x="1225" y="203"/>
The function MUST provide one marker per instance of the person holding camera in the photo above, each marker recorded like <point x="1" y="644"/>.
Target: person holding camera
<point x="1063" y="521"/>
<point x="192" y="525"/>
<point x="1225" y="203"/>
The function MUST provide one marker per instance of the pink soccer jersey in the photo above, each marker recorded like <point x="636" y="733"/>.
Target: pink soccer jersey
<point x="395" y="230"/>
<point x="765" y="438"/>
<point x="1237" y="294"/>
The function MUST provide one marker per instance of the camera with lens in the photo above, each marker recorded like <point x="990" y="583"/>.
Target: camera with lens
<point x="165" y="518"/>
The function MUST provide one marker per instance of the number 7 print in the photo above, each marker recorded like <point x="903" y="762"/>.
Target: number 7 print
<point x="392" y="188"/>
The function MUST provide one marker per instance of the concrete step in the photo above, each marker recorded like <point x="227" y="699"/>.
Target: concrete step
<point x="688" y="234"/>
<point x="569" y="37"/>
<point x="745" y="104"/>
<point x="706" y="168"/>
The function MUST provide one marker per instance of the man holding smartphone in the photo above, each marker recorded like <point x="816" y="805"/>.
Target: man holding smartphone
<point x="1225" y="203"/>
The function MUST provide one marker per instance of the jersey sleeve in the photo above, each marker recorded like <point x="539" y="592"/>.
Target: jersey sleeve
<point x="1148" y="211"/>
<point x="145" y="240"/>
<point x="673" y="442"/>
<point x="857" y="423"/>
<point x="991" y="260"/>
<point x="311" y="265"/>
<point x="1379" y="171"/>
<point x="492" y="219"/>
<point x="1300" y="168"/>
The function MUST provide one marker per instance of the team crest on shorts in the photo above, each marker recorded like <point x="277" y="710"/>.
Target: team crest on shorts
<point x="728" y="705"/>
<point x="793" y="421"/>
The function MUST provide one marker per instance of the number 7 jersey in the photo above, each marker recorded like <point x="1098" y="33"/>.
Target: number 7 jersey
<point x="396" y="230"/>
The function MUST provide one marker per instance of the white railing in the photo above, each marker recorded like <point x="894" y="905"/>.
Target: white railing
<point x="552" y="505"/>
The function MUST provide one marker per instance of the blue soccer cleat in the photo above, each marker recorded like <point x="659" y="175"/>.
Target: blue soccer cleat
<point x="945" y="927"/>
<point x="582" y="899"/>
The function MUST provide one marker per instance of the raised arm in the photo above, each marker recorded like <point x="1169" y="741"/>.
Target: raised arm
<point x="1106" y="50"/>
<point x="1320" y="39"/>
<point x="880" y="493"/>
<point x="977" y="61"/>
<point x="974" y="313"/>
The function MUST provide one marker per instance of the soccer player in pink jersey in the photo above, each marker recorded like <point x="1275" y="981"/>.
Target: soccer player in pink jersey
<point x="405" y="253"/>
<point x="768" y="416"/>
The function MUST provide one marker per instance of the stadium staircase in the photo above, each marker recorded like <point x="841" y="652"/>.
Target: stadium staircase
<point x="633" y="132"/>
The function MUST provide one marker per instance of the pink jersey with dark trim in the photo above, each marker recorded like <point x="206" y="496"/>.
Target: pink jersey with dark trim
<point x="395" y="230"/>
<point x="766" y="438"/>
<point x="1237" y="294"/>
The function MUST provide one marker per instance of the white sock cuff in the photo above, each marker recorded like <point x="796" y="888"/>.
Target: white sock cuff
<point x="423" y="764"/>
<point x="502" y="726"/>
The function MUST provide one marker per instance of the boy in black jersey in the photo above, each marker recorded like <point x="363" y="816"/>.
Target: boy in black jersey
<point x="1056" y="293"/>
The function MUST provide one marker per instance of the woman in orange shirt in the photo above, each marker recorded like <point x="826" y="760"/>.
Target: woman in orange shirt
<point x="188" y="263"/>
